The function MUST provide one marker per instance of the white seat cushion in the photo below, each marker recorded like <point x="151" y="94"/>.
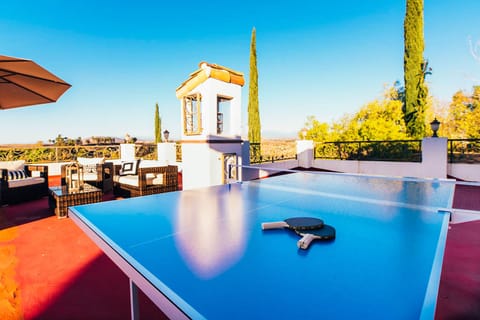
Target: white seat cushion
<point x="90" y="177"/>
<point x="159" y="179"/>
<point x="25" y="182"/>
<point x="132" y="180"/>
<point x="87" y="177"/>
<point x="87" y="161"/>
<point x="151" y="163"/>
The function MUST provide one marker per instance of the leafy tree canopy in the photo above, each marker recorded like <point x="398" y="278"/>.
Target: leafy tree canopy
<point x="378" y="120"/>
<point x="382" y="119"/>
<point x="461" y="119"/>
<point x="65" y="141"/>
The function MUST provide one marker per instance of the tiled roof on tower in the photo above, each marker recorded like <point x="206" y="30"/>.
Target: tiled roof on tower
<point x="209" y="70"/>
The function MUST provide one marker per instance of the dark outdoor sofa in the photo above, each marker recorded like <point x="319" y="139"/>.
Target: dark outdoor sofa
<point x="23" y="187"/>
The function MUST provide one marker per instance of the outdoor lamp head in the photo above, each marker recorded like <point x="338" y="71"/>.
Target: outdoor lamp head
<point x="435" y="125"/>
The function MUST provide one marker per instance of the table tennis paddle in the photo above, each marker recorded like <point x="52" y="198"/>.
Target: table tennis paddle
<point x="297" y="223"/>
<point x="325" y="233"/>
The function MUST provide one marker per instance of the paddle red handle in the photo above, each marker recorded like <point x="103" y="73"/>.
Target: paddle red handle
<point x="274" y="225"/>
<point x="305" y="241"/>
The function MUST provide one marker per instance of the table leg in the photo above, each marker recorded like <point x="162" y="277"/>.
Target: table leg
<point x="54" y="205"/>
<point x="134" y="312"/>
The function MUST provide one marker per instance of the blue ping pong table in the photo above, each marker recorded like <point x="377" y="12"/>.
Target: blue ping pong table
<point x="202" y="254"/>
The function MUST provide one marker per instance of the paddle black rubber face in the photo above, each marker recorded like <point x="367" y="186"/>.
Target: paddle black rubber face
<point x="325" y="233"/>
<point x="304" y="223"/>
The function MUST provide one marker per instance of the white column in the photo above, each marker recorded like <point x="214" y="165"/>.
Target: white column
<point x="305" y="149"/>
<point x="166" y="153"/>
<point x="434" y="157"/>
<point x="127" y="151"/>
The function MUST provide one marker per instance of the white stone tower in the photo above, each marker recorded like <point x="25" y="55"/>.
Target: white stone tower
<point x="211" y="126"/>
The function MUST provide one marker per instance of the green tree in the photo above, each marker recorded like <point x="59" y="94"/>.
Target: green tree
<point x="415" y="70"/>
<point x="395" y="92"/>
<point x="158" y="125"/>
<point x="254" y="134"/>
<point x="64" y="141"/>
<point x="377" y="120"/>
<point x="380" y="120"/>
<point x="315" y="130"/>
<point x="463" y="116"/>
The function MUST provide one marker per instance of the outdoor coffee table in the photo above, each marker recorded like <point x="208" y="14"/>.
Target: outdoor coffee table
<point x="60" y="198"/>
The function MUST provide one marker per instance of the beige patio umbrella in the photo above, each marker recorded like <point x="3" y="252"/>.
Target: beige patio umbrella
<point x="25" y="83"/>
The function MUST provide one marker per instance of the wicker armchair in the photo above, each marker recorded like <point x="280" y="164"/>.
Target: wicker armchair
<point x="32" y="186"/>
<point x="148" y="180"/>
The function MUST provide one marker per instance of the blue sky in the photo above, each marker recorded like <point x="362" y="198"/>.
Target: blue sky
<point x="321" y="58"/>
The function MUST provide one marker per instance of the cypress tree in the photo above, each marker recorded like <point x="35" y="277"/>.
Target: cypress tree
<point x="158" y="125"/>
<point x="414" y="70"/>
<point x="254" y="134"/>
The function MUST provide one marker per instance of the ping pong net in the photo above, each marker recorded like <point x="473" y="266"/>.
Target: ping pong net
<point x="415" y="193"/>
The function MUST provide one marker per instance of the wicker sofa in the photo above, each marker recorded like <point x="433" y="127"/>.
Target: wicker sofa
<point x="97" y="173"/>
<point x="22" y="182"/>
<point x="141" y="181"/>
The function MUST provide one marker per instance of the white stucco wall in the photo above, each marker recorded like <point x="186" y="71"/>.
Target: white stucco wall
<point x="202" y="163"/>
<point x="127" y="151"/>
<point x="166" y="153"/>
<point x="202" y="160"/>
<point x="464" y="171"/>
<point x="401" y="169"/>
<point x="305" y="153"/>
<point x="210" y="90"/>
<point x="434" y="157"/>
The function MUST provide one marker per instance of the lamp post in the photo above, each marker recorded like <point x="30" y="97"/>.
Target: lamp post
<point x="166" y="135"/>
<point x="435" y="125"/>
